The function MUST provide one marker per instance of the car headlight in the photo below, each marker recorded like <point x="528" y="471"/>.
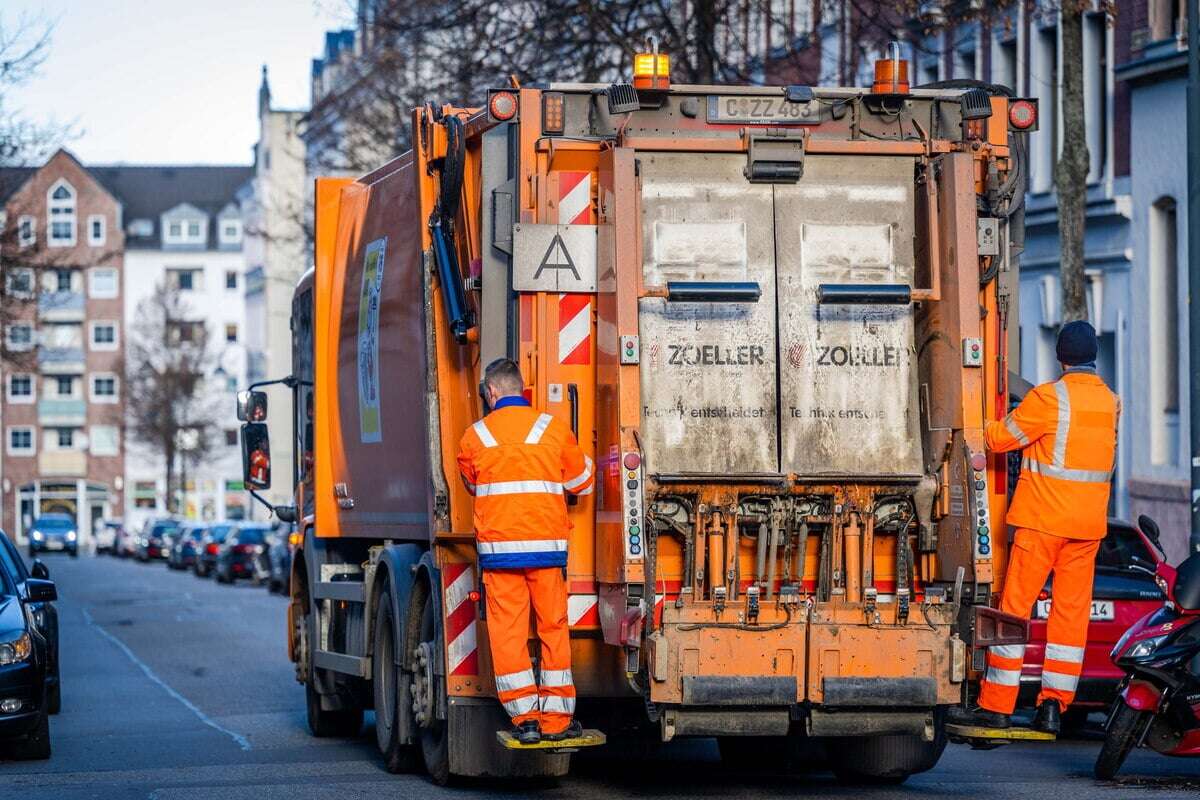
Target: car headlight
<point x="70" y="536"/>
<point x="37" y="536"/>
<point x="16" y="650"/>
<point x="1145" y="647"/>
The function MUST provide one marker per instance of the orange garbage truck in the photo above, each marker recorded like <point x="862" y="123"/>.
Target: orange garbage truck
<point x="776" y="317"/>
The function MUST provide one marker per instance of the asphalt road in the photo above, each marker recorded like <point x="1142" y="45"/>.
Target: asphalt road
<point x="176" y="688"/>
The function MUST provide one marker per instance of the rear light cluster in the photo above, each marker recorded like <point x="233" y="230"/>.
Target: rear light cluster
<point x="245" y="549"/>
<point x="502" y="106"/>
<point x="1023" y="115"/>
<point x="211" y="549"/>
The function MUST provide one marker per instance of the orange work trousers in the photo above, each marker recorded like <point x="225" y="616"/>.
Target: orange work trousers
<point x="548" y="698"/>
<point x="1033" y="557"/>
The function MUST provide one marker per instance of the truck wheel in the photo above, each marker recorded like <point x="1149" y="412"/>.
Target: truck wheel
<point x="883" y="760"/>
<point x="390" y="685"/>
<point x="323" y="722"/>
<point x="434" y="733"/>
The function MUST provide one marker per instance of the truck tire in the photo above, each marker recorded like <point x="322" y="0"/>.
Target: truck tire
<point x="884" y="760"/>
<point x="433" y="732"/>
<point x="390" y="685"/>
<point x="323" y="722"/>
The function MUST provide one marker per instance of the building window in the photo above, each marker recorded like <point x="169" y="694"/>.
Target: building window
<point x="231" y="437"/>
<point x="103" y="283"/>
<point x="65" y="438"/>
<point x="26" y="231"/>
<point x="20" y="440"/>
<point x="19" y="282"/>
<point x="185" y="231"/>
<point x="230" y="231"/>
<point x="1164" y="332"/>
<point x="141" y="228"/>
<point x="231" y="332"/>
<point x="231" y="281"/>
<point x="187" y="332"/>
<point x="104" y="335"/>
<point x="1168" y="19"/>
<point x="104" y="388"/>
<point x="1004" y="64"/>
<point x="64" y="385"/>
<point x="185" y="280"/>
<point x="20" y="336"/>
<point x="20" y="388"/>
<point x="104" y="440"/>
<point x="61" y="214"/>
<point x="62" y="280"/>
<point x="1044" y="82"/>
<point x="97" y="230"/>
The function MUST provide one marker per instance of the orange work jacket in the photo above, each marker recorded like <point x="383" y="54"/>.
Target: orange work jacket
<point x="519" y="463"/>
<point x="1067" y="432"/>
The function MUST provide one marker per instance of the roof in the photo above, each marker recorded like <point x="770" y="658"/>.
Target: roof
<point x="13" y="178"/>
<point x="146" y="192"/>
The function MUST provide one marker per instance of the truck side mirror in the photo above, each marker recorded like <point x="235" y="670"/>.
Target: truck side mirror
<point x="256" y="455"/>
<point x="252" y="406"/>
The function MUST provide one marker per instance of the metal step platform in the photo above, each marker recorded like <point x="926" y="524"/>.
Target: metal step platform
<point x="590" y="738"/>
<point x="983" y="737"/>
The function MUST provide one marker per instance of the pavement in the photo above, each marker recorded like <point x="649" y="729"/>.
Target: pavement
<point x="176" y="688"/>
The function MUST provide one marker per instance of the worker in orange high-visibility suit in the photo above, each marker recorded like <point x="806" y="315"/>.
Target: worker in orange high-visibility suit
<point x="1067" y="433"/>
<point x="519" y="464"/>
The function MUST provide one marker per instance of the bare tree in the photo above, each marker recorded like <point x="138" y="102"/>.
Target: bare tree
<point x="167" y="360"/>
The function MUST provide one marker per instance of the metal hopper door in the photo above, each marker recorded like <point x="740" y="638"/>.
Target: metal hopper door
<point x="717" y="374"/>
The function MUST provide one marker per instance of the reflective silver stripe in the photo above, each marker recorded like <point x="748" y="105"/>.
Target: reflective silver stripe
<point x="515" y="680"/>
<point x="522" y="705"/>
<point x="556" y="678"/>
<point x="539" y="427"/>
<point x="1062" y="473"/>
<point x="558" y="705"/>
<point x="586" y="491"/>
<point x="485" y="436"/>
<point x="1007" y="650"/>
<point x="1016" y="431"/>
<point x="582" y="477"/>
<point x="1004" y="677"/>
<point x="1057" y="680"/>
<point x="1064" y="424"/>
<point x="518" y="487"/>
<point x="526" y="546"/>
<point x="1065" y="652"/>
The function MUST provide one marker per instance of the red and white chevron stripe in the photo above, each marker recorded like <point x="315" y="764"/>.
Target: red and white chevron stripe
<point x="574" y="329"/>
<point x="462" y="646"/>
<point x="574" y="198"/>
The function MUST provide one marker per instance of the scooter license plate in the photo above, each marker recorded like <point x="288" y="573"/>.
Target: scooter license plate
<point x="1102" y="610"/>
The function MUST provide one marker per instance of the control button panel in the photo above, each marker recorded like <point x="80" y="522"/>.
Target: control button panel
<point x="633" y="519"/>
<point x="977" y="474"/>
<point x="631" y="351"/>
<point x="972" y="352"/>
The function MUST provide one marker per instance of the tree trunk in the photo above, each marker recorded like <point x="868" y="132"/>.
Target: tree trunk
<point x="706" y="41"/>
<point x="1070" y="178"/>
<point x="169" y="452"/>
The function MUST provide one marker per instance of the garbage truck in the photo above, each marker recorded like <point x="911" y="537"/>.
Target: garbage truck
<point x="776" y="317"/>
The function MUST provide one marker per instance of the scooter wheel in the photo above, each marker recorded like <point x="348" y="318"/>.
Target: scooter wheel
<point x="1124" y="731"/>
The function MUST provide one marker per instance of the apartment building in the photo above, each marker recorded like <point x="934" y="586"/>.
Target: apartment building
<point x="62" y="408"/>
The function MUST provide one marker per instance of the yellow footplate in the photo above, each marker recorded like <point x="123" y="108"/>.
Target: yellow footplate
<point x="590" y="738"/>
<point x="979" y="735"/>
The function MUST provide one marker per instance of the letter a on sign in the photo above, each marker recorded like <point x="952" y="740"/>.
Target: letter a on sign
<point x="557" y="257"/>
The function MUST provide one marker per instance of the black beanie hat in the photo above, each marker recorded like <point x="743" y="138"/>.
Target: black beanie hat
<point x="1077" y="343"/>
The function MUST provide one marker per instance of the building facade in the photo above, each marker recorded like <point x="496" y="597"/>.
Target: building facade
<point x="184" y="231"/>
<point x="62" y="407"/>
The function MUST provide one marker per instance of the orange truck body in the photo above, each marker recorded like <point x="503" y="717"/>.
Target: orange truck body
<point x="777" y="323"/>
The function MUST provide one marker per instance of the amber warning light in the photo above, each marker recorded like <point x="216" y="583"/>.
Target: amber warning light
<point x="891" y="73"/>
<point x="651" y="71"/>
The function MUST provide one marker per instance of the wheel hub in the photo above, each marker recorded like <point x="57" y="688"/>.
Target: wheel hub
<point x="422" y="685"/>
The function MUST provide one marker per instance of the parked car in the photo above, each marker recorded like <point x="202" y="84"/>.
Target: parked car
<point x="45" y="615"/>
<point x="185" y="545"/>
<point x="1124" y="591"/>
<point x="127" y="542"/>
<point x="106" y="535"/>
<point x="24" y="663"/>
<point x="279" y="559"/>
<point x="241" y="554"/>
<point x="210" y="543"/>
<point x="156" y="539"/>
<point x="53" y="532"/>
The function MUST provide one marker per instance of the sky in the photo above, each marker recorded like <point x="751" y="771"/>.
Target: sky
<point x="170" y="81"/>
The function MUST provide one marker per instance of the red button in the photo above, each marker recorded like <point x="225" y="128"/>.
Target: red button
<point x="632" y="461"/>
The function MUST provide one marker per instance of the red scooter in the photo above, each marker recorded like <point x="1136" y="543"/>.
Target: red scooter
<point x="1159" y="703"/>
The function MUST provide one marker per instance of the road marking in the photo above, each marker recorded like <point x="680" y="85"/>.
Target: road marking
<point x="241" y="741"/>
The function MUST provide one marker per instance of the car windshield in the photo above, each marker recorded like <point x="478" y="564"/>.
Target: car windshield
<point x="218" y="532"/>
<point x="164" y="527"/>
<point x="53" y="523"/>
<point x="10" y="560"/>
<point x="251" y="535"/>
<point x="1122" y="548"/>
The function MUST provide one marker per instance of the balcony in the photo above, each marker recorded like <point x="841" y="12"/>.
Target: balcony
<point x="61" y="360"/>
<point x="62" y="412"/>
<point x="60" y="306"/>
<point x="62" y="463"/>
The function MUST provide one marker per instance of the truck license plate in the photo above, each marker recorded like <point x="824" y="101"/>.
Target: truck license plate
<point x="761" y="109"/>
<point x="1102" y="610"/>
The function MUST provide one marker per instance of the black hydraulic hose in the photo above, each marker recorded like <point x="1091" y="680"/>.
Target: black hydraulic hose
<point x="441" y="226"/>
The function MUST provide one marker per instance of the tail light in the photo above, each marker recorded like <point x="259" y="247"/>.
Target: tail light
<point x="295" y="538"/>
<point x="1023" y="115"/>
<point x="245" y="549"/>
<point x="211" y="549"/>
<point x="502" y="106"/>
<point x="553" y="118"/>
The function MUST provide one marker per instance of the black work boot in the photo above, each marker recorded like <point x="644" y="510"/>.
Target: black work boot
<point x="573" y="731"/>
<point x="977" y="717"/>
<point x="1048" y="718"/>
<point x="528" y="732"/>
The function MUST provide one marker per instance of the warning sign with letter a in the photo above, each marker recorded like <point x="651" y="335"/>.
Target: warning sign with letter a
<point x="554" y="258"/>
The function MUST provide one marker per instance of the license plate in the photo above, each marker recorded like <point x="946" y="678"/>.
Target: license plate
<point x="742" y="109"/>
<point x="54" y="544"/>
<point x="1102" y="610"/>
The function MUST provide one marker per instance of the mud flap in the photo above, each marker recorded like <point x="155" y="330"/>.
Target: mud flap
<point x="475" y="752"/>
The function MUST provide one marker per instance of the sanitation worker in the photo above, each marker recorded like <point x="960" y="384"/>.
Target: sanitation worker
<point x="1067" y="433"/>
<point x="519" y="464"/>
